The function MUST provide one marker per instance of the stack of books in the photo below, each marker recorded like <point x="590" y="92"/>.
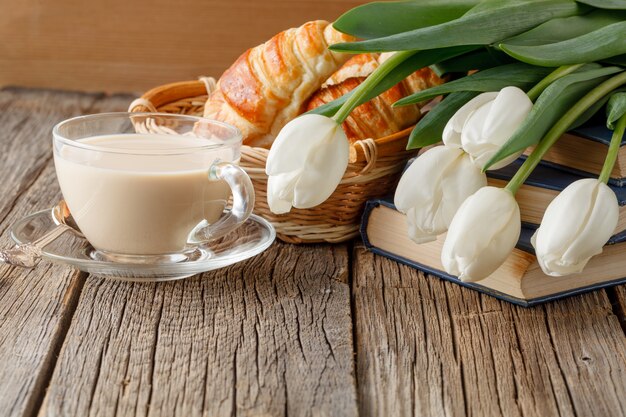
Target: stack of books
<point x="578" y="154"/>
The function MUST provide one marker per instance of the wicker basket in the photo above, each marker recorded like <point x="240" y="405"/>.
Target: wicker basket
<point x="374" y="169"/>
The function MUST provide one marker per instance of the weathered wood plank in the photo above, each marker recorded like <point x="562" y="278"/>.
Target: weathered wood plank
<point x="35" y="309"/>
<point x="27" y="118"/>
<point x="269" y="337"/>
<point x="35" y="305"/>
<point x="427" y="347"/>
<point x="591" y="352"/>
<point x="407" y="362"/>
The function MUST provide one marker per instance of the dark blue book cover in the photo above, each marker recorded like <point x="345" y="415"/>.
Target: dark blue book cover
<point x="523" y="244"/>
<point x="597" y="132"/>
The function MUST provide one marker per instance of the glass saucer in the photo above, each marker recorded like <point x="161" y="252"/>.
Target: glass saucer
<point x="250" y="239"/>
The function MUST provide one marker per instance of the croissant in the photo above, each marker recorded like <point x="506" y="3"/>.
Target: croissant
<point x="358" y="66"/>
<point x="376" y="118"/>
<point x="269" y="84"/>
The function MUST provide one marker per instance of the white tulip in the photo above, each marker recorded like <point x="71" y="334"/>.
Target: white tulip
<point x="432" y="189"/>
<point x="306" y="162"/>
<point x="575" y="227"/>
<point x="482" y="234"/>
<point x="486" y="122"/>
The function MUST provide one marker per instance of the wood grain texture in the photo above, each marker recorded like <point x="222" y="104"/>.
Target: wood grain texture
<point x="269" y="337"/>
<point x="26" y="119"/>
<point x="121" y="45"/>
<point x="426" y="347"/>
<point x="35" y="305"/>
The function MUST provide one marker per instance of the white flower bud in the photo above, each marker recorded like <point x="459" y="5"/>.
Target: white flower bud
<point x="575" y="227"/>
<point x="306" y="163"/>
<point x="433" y="188"/>
<point x="486" y="122"/>
<point x="483" y="233"/>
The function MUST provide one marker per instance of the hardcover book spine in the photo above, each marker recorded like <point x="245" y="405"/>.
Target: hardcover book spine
<point x="373" y="204"/>
<point x="369" y="206"/>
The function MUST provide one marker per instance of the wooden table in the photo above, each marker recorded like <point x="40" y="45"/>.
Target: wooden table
<point x="319" y="330"/>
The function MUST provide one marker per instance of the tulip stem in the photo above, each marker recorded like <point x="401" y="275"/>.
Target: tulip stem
<point x="372" y="81"/>
<point x="611" y="156"/>
<point x="561" y="127"/>
<point x="561" y="71"/>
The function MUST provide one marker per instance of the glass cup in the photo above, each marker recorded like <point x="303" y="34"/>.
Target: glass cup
<point x="151" y="187"/>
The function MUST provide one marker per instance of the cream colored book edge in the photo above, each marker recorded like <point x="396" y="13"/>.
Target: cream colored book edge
<point x="519" y="277"/>
<point x="578" y="153"/>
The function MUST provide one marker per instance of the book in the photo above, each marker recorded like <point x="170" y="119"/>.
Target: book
<point x="519" y="280"/>
<point x="582" y="151"/>
<point x="543" y="185"/>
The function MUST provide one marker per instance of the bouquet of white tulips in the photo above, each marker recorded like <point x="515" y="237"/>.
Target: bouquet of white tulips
<point x="537" y="69"/>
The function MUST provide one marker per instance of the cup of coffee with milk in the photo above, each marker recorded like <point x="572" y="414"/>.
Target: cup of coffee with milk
<point x="148" y="187"/>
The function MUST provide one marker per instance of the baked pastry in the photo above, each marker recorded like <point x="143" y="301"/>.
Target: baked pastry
<point x="376" y="118"/>
<point x="270" y="84"/>
<point x="360" y="65"/>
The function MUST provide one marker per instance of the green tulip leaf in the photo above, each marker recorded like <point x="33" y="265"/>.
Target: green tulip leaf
<point x="589" y="113"/>
<point x="605" y="4"/>
<point x="602" y="43"/>
<point x="415" y="62"/>
<point x="555" y="100"/>
<point x="495" y="20"/>
<point x="494" y="79"/>
<point x="430" y="128"/>
<point x="480" y="59"/>
<point x="562" y="29"/>
<point x="379" y="19"/>
<point x="615" y="109"/>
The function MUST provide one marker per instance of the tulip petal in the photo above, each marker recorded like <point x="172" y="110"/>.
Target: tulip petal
<point x="458" y="184"/>
<point x="280" y="191"/>
<point x="491" y="125"/>
<point x="295" y="142"/>
<point x="564" y="216"/>
<point x="433" y="187"/>
<point x="423" y="176"/>
<point x="485" y="213"/>
<point x="599" y="228"/>
<point x="575" y="227"/>
<point x="454" y="127"/>
<point x="450" y="136"/>
<point x="460" y="117"/>
<point x="480" y="146"/>
<point x="418" y="229"/>
<point x="323" y="169"/>
<point x="509" y="110"/>
<point x="482" y="234"/>
<point x="472" y="137"/>
<point x="496" y="253"/>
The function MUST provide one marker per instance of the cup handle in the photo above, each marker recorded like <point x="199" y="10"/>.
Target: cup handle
<point x="243" y="203"/>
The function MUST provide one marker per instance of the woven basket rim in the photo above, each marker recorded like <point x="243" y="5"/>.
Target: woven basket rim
<point x="186" y="90"/>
